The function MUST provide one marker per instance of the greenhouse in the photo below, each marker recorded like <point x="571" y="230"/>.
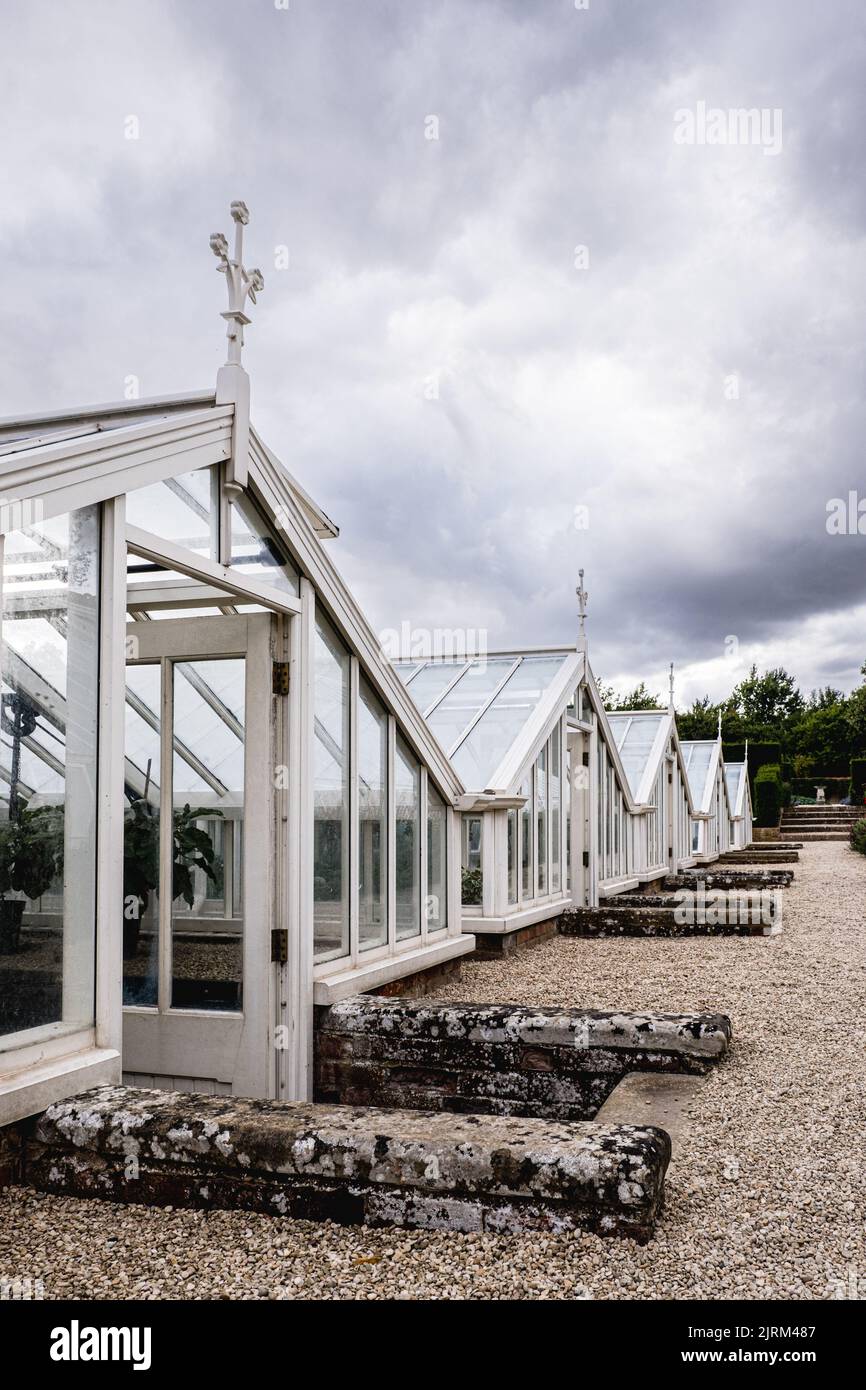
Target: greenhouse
<point x="177" y="894"/>
<point x="509" y="723"/>
<point x="655" y="764"/>
<point x="712" y="832"/>
<point x="739" y="802"/>
<point x="565" y="803"/>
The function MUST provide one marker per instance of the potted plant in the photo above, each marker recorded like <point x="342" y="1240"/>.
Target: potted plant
<point x="31" y="857"/>
<point x="192" y="848"/>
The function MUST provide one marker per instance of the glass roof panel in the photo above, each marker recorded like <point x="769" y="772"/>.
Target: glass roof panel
<point x="697" y="758"/>
<point x="431" y="683"/>
<point x="453" y="715"/>
<point x="635" y="735"/>
<point x="733" y="777"/>
<point x="481" y="753"/>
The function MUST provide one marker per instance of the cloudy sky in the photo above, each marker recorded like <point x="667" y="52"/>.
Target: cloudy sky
<point x="525" y="325"/>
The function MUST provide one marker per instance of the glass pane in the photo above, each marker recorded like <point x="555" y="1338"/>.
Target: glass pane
<point x="541" y="817"/>
<point x="141" y="837"/>
<point x="527" y="881"/>
<point x="512" y="856"/>
<point x="407" y="794"/>
<point x="331" y="773"/>
<point x="257" y="554"/>
<point x="460" y="706"/>
<point x="437" y="856"/>
<point x="486" y="745"/>
<point x="372" y="819"/>
<point x="430" y="684"/>
<point x="48" y="738"/>
<point x="208" y="809"/>
<point x="555" y="809"/>
<point x="182" y="510"/>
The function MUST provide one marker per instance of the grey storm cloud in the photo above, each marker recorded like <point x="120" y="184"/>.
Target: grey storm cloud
<point x="455" y="381"/>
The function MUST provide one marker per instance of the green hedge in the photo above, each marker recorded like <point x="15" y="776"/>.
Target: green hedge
<point x="857" y="784"/>
<point x="858" y="835"/>
<point x="768" y="795"/>
<point x="836" y="787"/>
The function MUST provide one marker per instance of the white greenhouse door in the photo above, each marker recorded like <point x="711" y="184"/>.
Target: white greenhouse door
<point x="198" y="885"/>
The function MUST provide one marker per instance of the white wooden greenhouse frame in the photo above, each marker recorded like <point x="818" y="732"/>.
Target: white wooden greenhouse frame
<point x="613" y="832"/>
<point x="711" y="835"/>
<point x="243" y="580"/>
<point x="740" y="802"/>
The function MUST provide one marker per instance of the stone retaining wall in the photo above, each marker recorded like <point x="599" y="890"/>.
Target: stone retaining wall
<point x="500" y="1059"/>
<point x="372" y="1167"/>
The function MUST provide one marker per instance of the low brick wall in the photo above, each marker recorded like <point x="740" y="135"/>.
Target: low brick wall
<point x="500" y="1059"/>
<point x="375" y="1167"/>
<point x="494" y="944"/>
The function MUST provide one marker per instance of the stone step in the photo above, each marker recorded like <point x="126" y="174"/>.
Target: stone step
<point x="820" y="820"/>
<point x="759" y="856"/>
<point x="609" y="920"/>
<point x="729" y="878"/>
<point x="665" y="1102"/>
<point x="774" y="844"/>
<point x="408" y="1168"/>
<point x="810" y="836"/>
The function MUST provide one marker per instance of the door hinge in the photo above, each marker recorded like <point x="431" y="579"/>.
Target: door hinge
<point x="279" y="945"/>
<point x="585" y="758"/>
<point x="586" y="858"/>
<point x="280" y="678"/>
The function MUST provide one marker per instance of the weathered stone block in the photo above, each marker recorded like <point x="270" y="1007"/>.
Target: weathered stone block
<point x="403" y="1167"/>
<point x="503" y="1059"/>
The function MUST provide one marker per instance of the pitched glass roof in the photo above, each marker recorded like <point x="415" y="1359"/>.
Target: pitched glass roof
<point x="478" y="708"/>
<point x="733" y="777"/>
<point x="697" y="757"/>
<point x="635" y="735"/>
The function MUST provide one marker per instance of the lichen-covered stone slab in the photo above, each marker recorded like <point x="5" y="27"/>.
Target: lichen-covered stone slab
<point x="621" y="920"/>
<point x="503" y="1059"/>
<point x="408" y="1168"/>
<point x="729" y="878"/>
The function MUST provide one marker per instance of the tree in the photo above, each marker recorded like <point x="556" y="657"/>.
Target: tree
<point x="639" y="698"/>
<point x="771" y="699"/>
<point x="699" y="722"/>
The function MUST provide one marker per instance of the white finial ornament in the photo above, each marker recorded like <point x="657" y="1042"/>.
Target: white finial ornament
<point x="582" y="600"/>
<point x="720" y="726"/>
<point x="242" y="283"/>
<point x="671" y="687"/>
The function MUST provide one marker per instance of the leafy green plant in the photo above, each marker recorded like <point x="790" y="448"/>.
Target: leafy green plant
<point x="857" y="784"/>
<point x="858" y="835"/>
<point x="473" y="884"/>
<point x="31" y="851"/>
<point x="192" y="848"/>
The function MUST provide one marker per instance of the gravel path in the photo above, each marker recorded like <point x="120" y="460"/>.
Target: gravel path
<point x="765" y="1200"/>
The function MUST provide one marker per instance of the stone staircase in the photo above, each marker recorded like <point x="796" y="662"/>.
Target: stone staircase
<point x="827" y="822"/>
